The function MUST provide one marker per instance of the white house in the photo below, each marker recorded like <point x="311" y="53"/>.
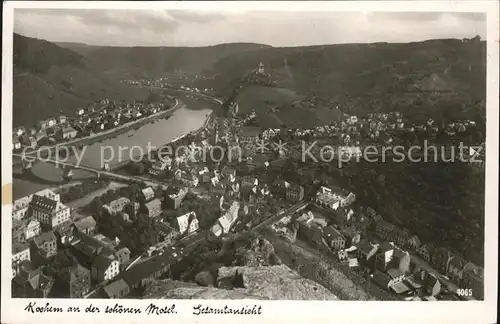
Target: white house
<point x="105" y="268"/>
<point x="188" y="222"/>
<point x="33" y="229"/>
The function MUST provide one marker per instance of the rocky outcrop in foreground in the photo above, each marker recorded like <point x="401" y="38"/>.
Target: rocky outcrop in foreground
<point x="277" y="282"/>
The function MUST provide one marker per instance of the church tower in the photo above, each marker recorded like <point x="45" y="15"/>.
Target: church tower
<point x="261" y="68"/>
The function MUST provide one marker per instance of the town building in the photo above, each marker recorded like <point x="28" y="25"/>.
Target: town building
<point x="381" y="279"/>
<point x="31" y="283"/>
<point x="226" y="221"/>
<point x="18" y="131"/>
<point x="18" y="231"/>
<point x="32" y="229"/>
<point x="123" y="256"/>
<point x="47" y="123"/>
<point x="152" y="208"/>
<point x="45" y="245"/>
<point x="117" y="289"/>
<point x="384" y="229"/>
<point x="414" y="242"/>
<point x="294" y="192"/>
<point x="397" y="276"/>
<point x="153" y="268"/>
<point x="441" y="259"/>
<point x="333" y="238"/>
<point x="160" y="166"/>
<point x="473" y="278"/>
<point x="62" y="119"/>
<point x="48" y="212"/>
<point x="174" y="200"/>
<point x="85" y="248"/>
<point x="384" y="256"/>
<point x="187" y="223"/>
<point x="20" y="252"/>
<point x="105" y="268"/>
<point x="16" y="143"/>
<point x="67" y="133"/>
<point x="147" y="194"/>
<point x="248" y="182"/>
<point x="261" y="68"/>
<point x="233" y="190"/>
<point x="228" y="172"/>
<point x="187" y="179"/>
<point x="425" y="252"/>
<point x="333" y="198"/>
<point x="249" y="135"/>
<point x="86" y="225"/>
<point x="432" y="285"/>
<point x="365" y="250"/>
<point x="131" y="209"/>
<point x="74" y="281"/>
<point x="218" y="187"/>
<point x="116" y="205"/>
<point x="455" y="268"/>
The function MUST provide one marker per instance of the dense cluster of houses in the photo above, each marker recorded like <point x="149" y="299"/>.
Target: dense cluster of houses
<point x="375" y="129"/>
<point x="42" y="227"/>
<point x="163" y="83"/>
<point x="389" y="256"/>
<point x="97" y="117"/>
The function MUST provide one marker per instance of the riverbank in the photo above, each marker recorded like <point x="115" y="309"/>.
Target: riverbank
<point x="111" y="133"/>
<point x="208" y="119"/>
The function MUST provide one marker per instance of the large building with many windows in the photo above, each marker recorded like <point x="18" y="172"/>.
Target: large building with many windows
<point x="48" y="212"/>
<point x="20" y="206"/>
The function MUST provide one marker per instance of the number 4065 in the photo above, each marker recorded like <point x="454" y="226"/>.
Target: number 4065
<point x="464" y="292"/>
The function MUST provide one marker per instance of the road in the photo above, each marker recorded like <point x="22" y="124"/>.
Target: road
<point x="427" y="267"/>
<point x="273" y="219"/>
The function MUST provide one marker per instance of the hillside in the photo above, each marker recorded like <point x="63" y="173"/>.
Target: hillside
<point x="158" y="61"/>
<point x="80" y="48"/>
<point x="276" y="106"/>
<point x="277" y="282"/>
<point x="49" y="80"/>
<point x="442" y="77"/>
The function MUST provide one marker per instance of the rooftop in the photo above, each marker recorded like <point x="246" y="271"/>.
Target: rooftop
<point x="331" y="233"/>
<point x="44" y="237"/>
<point x="41" y="202"/>
<point x="19" y="247"/>
<point x="115" y="287"/>
<point x="85" y="223"/>
<point x="364" y="246"/>
<point x="395" y="272"/>
<point x="148" y="192"/>
<point x="153" y="203"/>
<point x="147" y="268"/>
<point x="74" y="272"/>
<point x="381" y="278"/>
<point x="102" y="262"/>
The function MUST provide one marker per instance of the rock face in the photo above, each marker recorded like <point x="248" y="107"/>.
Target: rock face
<point x="266" y="283"/>
<point x="205" y="279"/>
<point x="171" y="289"/>
<point x="261" y="254"/>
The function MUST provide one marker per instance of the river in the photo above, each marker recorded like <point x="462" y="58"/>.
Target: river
<point x="115" y="150"/>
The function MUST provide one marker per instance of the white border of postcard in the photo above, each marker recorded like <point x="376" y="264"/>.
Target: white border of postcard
<point x="289" y="311"/>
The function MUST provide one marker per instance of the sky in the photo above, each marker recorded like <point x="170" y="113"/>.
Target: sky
<point x="115" y="27"/>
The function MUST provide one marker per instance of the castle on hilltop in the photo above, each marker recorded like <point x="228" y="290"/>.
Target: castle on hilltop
<point x="261" y="68"/>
